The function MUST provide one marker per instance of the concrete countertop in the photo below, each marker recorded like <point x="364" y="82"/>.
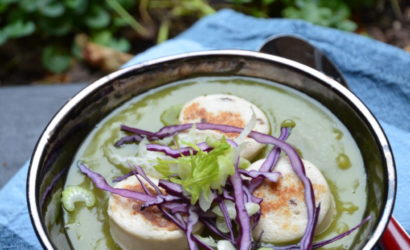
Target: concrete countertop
<point x="24" y="113"/>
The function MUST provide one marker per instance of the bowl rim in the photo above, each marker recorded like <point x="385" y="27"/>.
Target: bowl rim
<point x="360" y="107"/>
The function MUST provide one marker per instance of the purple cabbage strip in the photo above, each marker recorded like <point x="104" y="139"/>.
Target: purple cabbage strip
<point x="252" y="198"/>
<point x="141" y="172"/>
<point x="182" y="226"/>
<point x="161" y="199"/>
<point x="242" y="217"/>
<point x="128" y="139"/>
<point x="227" y="196"/>
<point x="123" y="177"/>
<point x="101" y="183"/>
<point x="271" y="176"/>
<point x="192" y="220"/>
<point x="176" y="153"/>
<point x="138" y="131"/>
<point x="171" y="187"/>
<point x="212" y="227"/>
<point x="171" y="217"/>
<point x="325" y="242"/>
<point x="224" y="210"/>
<point x="342" y="235"/>
<point x="50" y="187"/>
<point x="172" y="130"/>
<point x="232" y="142"/>
<point x="310" y="229"/>
<point x="185" y="151"/>
<point x="143" y="186"/>
<point x="270" y="161"/>
<point x="274" y="154"/>
<point x="176" y="207"/>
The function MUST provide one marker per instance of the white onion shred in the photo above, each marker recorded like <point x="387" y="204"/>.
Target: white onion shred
<point x="240" y="140"/>
<point x="247" y="129"/>
<point x="204" y="201"/>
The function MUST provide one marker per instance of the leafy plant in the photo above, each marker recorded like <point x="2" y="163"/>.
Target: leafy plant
<point x="57" y="21"/>
<point x="114" y="23"/>
<point x="335" y="13"/>
<point x="177" y="10"/>
<point x="330" y="13"/>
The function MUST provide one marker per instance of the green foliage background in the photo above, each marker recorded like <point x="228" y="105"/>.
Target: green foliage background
<point x="56" y="22"/>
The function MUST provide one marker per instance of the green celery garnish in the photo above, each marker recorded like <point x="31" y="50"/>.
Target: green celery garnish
<point x="74" y="194"/>
<point x="198" y="173"/>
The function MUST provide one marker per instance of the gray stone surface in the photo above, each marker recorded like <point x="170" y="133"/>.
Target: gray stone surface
<point x="24" y="113"/>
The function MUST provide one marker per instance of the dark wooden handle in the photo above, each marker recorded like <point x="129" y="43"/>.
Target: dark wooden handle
<point x="395" y="237"/>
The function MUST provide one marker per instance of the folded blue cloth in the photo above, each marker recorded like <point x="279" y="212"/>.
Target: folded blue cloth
<point x="378" y="73"/>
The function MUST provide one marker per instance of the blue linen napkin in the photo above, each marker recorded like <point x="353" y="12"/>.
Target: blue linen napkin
<point x="378" y="73"/>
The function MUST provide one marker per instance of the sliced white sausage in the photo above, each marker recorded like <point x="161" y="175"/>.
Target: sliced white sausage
<point x="284" y="215"/>
<point x="225" y="109"/>
<point x="132" y="228"/>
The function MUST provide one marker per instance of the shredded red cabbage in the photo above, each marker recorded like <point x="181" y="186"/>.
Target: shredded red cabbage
<point x="245" y="237"/>
<point x="171" y="187"/>
<point x="101" y="183"/>
<point x="176" y="153"/>
<point x="146" y="191"/>
<point x="50" y="187"/>
<point x="227" y="196"/>
<point x="271" y="176"/>
<point x="274" y="154"/>
<point x="324" y="242"/>
<point x="270" y="162"/>
<point x="138" y="171"/>
<point x="211" y="225"/>
<point x="293" y="156"/>
<point x="192" y="220"/>
<point x="176" y="205"/>
<point x="123" y="177"/>
<point x="138" y="131"/>
<point x="222" y="206"/>
<point x="128" y="139"/>
<point x="342" y="235"/>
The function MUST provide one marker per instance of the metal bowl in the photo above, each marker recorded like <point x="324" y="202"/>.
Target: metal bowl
<point x="64" y="134"/>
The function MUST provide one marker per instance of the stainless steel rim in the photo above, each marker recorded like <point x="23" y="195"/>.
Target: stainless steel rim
<point x="32" y="195"/>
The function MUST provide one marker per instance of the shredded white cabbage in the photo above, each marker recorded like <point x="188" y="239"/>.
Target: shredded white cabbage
<point x="143" y="157"/>
<point x="195" y="136"/>
<point x="230" y="206"/>
<point x="207" y="240"/>
<point x="205" y="201"/>
<point x="221" y="225"/>
<point x="225" y="245"/>
<point x="252" y="208"/>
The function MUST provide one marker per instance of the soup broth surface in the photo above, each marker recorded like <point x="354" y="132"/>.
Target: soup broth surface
<point x="318" y="136"/>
